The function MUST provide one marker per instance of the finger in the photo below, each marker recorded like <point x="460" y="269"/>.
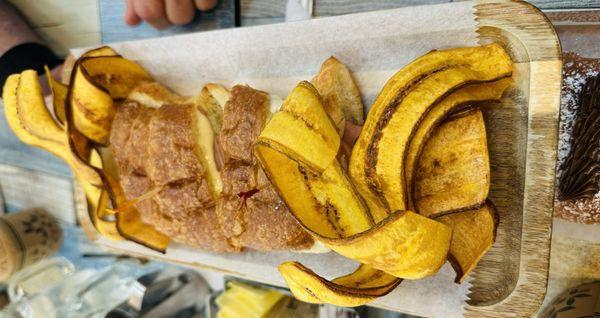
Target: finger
<point x="204" y="5"/>
<point x="180" y="11"/>
<point x="153" y="12"/>
<point x="130" y="17"/>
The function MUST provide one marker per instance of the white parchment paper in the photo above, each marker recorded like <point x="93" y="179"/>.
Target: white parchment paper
<point x="274" y="58"/>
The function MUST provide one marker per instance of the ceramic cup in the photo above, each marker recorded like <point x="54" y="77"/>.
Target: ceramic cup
<point x="25" y="238"/>
<point x="578" y="302"/>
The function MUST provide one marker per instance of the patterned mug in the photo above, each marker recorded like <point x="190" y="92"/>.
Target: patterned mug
<point x="25" y="238"/>
<point x="582" y="301"/>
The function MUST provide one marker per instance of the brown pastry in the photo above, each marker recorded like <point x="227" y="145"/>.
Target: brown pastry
<point x="157" y="148"/>
<point x="578" y="197"/>
<point x="250" y="211"/>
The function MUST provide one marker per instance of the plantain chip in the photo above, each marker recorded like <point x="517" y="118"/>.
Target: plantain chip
<point x="390" y="123"/>
<point x="387" y="172"/>
<point x="405" y="245"/>
<point x="59" y="96"/>
<point x="91" y="107"/>
<point x="95" y="82"/>
<point x="326" y="204"/>
<point x="31" y="121"/>
<point x="303" y="120"/>
<point x="356" y="289"/>
<point x="453" y="172"/>
<point x="128" y="220"/>
<point x="341" y="96"/>
<point x="461" y="98"/>
<point x="115" y="74"/>
<point x="101" y="51"/>
<point x="28" y="116"/>
<point x="474" y="234"/>
<point x="98" y="200"/>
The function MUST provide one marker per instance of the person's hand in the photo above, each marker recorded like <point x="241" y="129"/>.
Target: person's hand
<point x="163" y="13"/>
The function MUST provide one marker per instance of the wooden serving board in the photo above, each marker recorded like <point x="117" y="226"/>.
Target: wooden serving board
<point x="511" y="279"/>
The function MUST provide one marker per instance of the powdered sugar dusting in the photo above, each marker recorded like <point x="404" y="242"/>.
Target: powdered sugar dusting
<point x="581" y="210"/>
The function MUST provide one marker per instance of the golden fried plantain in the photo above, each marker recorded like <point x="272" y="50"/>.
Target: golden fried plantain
<point x="326" y="204"/>
<point x="453" y="172"/>
<point x="95" y="82"/>
<point x="341" y="96"/>
<point x="400" y="107"/>
<point x="474" y="233"/>
<point x="467" y="96"/>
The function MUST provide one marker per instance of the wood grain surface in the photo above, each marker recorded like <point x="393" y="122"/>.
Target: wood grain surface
<point x="516" y="287"/>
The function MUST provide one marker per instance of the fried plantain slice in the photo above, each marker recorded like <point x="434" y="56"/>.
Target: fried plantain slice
<point x="453" y="172"/>
<point x="98" y="200"/>
<point x="386" y="172"/>
<point x="405" y="245"/>
<point x="467" y="96"/>
<point x="359" y="288"/>
<point x="29" y="118"/>
<point x="326" y="204"/>
<point x="101" y="51"/>
<point x="59" y="96"/>
<point x="95" y="82"/>
<point x="91" y="107"/>
<point x="474" y="233"/>
<point x="302" y="120"/>
<point x="115" y="74"/>
<point x="399" y="108"/>
<point x="31" y="121"/>
<point x="341" y="96"/>
<point x="128" y="219"/>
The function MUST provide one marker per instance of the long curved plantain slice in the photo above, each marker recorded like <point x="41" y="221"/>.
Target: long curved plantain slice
<point x="461" y="98"/>
<point x="129" y="222"/>
<point x="29" y="118"/>
<point x="95" y="82"/>
<point x="356" y="289"/>
<point x="398" y="110"/>
<point x="327" y="206"/>
<point x="404" y="244"/>
<point x="387" y="172"/>
<point x="59" y="96"/>
<point x="91" y="107"/>
<point x="115" y="74"/>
